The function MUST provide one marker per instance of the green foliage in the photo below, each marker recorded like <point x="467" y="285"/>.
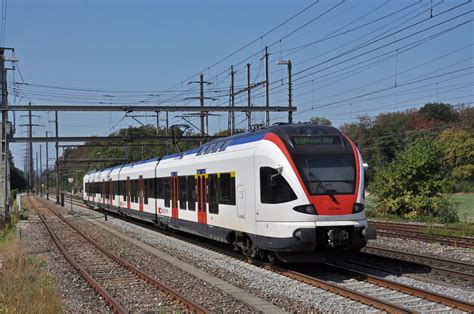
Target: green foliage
<point x="320" y="121"/>
<point x="439" y="112"/>
<point x="459" y="153"/>
<point x="411" y="186"/>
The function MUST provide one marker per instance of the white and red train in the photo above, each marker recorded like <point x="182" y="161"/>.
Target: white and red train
<point x="294" y="192"/>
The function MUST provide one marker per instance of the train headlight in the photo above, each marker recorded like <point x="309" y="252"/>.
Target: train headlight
<point x="306" y="209"/>
<point x="357" y="208"/>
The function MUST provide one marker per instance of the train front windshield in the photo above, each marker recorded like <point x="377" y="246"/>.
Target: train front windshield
<point x="327" y="173"/>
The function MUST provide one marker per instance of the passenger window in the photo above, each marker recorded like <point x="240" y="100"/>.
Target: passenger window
<point x="166" y="191"/>
<point x="159" y="188"/>
<point x="276" y="190"/>
<point x="182" y="192"/>
<point x="226" y="189"/>
<point x="212" y="194"/>
<point x="145" y="191"/>
<point x="191" y="193"/>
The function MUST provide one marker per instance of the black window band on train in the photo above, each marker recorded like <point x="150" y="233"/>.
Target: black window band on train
<point x="327" y="173"/>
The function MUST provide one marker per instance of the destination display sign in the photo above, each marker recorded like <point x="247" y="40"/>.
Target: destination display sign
<point x="317" y="140"/>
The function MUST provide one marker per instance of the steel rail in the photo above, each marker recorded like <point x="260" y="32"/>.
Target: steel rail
<point x="427" y="260"/>
<point x="351" y="294"/>
<point x="354" y="295"/>
<point x="175" y="295"/>
<point x="109" y="300"/>
<point x="432" y="296"/>
<point x="414" y="232"/>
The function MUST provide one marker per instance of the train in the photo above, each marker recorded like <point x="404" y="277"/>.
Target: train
<point x="288" y="192"/>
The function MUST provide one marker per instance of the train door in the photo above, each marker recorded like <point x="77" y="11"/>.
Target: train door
<point x="128" y="192"/>
<point x="140" y="193"/>
<point x="201" y="190"/>
<point x="93" y="191"/>
<point x="111" y="192"/>
<point x="174" y="196"/>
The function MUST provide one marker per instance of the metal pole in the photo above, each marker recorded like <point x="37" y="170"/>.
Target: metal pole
<point x="267" y="92"/>
<point x="167" y="130"/>
<point x="57" y="157"/>
<point x="249" y="115"/>
<point x="232" y="100"/>
<point x="37" y="173"/>
<point x="41" y="171"/>
<point x="201" y="98"/>
<point x="6" y="176"/>
<point x="157" y="123"/>
<point x="290" y="94"/>
<point x="30" y="148"/>
<point x="47" y="167"/>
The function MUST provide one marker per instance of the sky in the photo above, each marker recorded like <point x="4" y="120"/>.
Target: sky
<point x="349" y="57"/>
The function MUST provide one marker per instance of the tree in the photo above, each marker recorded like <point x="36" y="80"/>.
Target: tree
<point x="320" y="121"/>
<point x="459" y="153"/>
<point x="412" y="185"/>
<point x="439" y="112"/>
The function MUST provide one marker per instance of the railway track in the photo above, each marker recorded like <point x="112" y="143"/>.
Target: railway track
<point x="454" y="269"/>
<point x="123" y="286"/>
<point x="419" y="232"/>
<point x="359" y="286"/>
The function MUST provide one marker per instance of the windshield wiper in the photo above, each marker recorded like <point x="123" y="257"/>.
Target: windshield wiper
<point x="326" y="191"/>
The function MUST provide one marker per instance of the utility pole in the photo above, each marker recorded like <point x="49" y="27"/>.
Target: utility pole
<point x="267" y="93"/>
<point x="249" y="115"/>
<point x="167" y="131"/>
<point x="5" y="129"/>
<point x="157" y="123"/>
<point x="202" y="114"/>
<point x="41" y="171"/>
<point x="232" y="102"/>
<point x="290" y="89"/>
<point x="57" y="157"/>
<point x="30" y="148"/>
<point x="37" y="173"/>
<point x="47" y="167"/>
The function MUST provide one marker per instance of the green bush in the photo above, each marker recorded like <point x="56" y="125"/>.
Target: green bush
<point x="412" y="185"/>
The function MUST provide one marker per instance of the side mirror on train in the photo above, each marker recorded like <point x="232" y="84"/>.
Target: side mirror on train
<point x="279" y="170"/>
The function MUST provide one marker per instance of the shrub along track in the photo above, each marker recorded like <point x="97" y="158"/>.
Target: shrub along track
<point x="419" y="232"/>
<point x="123" y="286"/>
<point x="359" y="286"/>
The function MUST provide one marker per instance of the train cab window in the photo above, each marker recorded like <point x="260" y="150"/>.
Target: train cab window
<point x="212" y="194"/>
<point x="226" y="189"/>
<point x="191" y="193"/>
<point x="182" y="192"/>
<point x="167" y="191"/>
<point x="274" y="189"/>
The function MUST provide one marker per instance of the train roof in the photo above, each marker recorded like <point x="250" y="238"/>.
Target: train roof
<point x="281" y="129"/>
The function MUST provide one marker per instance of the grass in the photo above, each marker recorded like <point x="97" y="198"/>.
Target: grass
<point x="465" y="212"/>
<point x="466" y="206"/>
<point x="25" y="287"/>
